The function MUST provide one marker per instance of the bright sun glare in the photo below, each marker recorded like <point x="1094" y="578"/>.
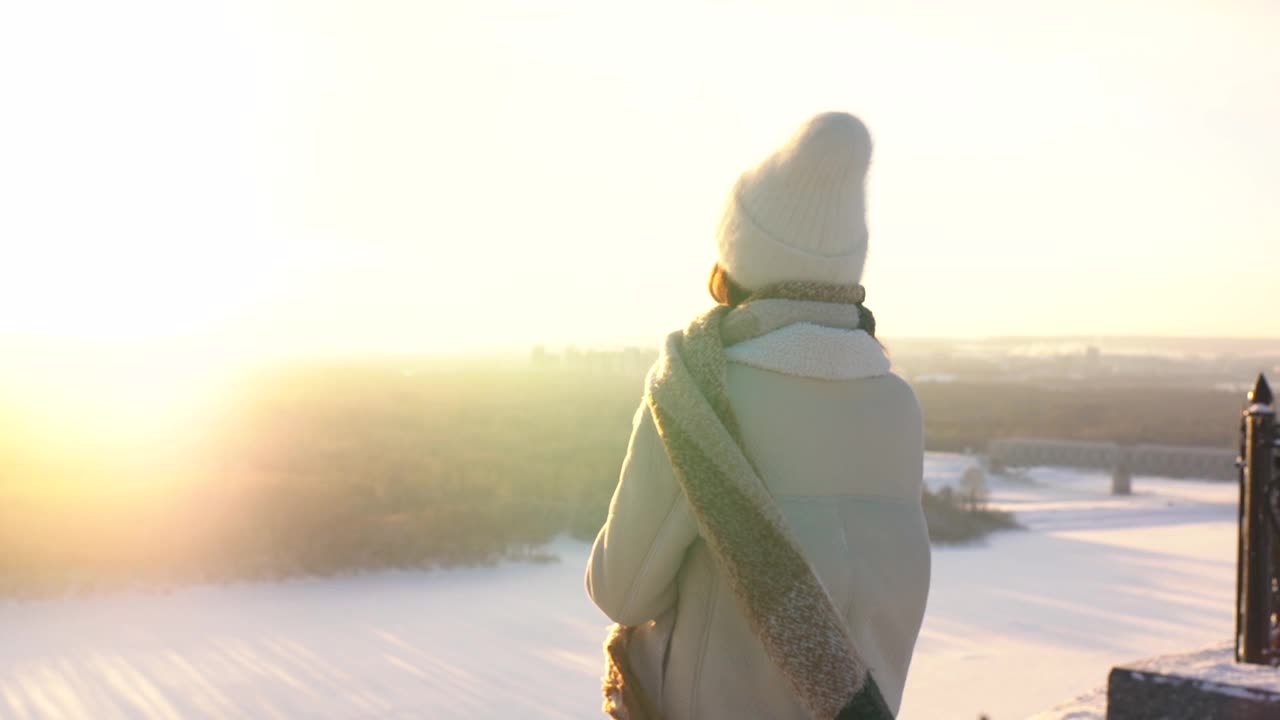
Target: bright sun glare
<point x="275" y="177"/>
<point x="84" y="406"/>
<point x="266" y="179"/>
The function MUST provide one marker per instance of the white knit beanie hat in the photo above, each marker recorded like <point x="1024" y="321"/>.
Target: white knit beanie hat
<point x="800" y="215"/>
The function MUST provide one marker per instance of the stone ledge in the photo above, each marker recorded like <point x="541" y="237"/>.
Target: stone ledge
<point x="1203" y="685"/>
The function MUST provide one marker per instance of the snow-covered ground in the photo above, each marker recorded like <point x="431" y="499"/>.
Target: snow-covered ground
<point x="1015" y="625"/>
<point x="1032" y="618"/>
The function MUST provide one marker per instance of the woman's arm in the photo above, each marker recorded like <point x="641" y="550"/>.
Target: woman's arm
<point x="632" y="572"/>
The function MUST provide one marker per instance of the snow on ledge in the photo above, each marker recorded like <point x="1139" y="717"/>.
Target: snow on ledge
<point x="1214" y="665"/>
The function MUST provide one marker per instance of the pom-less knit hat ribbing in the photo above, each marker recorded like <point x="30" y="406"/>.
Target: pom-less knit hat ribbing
<point x="800" y="215"/>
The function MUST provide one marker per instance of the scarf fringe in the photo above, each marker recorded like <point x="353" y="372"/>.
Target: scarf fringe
<point x="624" y="698"/>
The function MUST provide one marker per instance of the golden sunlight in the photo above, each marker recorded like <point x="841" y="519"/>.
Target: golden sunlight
<point x="90" y="412"/>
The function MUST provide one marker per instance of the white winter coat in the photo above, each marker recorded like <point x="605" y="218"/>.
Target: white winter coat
<point x="838" y="440"/>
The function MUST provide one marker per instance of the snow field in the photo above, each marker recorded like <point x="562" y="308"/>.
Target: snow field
<point x="1017" y="624"/>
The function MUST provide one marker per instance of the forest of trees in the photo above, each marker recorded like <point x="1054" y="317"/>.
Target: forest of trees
<point x="966" y="416"/>
<point x="334" y="468"/>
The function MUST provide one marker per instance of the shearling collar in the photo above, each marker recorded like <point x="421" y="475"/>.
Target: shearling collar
<point x="759" y="317"/>
<point x="813" y="350"/>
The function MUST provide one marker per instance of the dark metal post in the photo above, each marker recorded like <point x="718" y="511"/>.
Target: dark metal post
<point x="1258" y="581"/>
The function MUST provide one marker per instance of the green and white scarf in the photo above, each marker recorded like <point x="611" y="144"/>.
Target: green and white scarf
<point x="784" y="602"/>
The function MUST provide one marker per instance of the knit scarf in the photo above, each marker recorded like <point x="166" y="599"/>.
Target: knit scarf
<point x="783" y="601"/>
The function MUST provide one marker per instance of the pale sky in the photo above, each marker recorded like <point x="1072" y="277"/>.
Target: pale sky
<point x="441" y="177"/>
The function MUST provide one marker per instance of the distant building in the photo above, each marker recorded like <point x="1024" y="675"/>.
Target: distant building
<point x="627" y="361"/>
<point x="1093" y="357"/>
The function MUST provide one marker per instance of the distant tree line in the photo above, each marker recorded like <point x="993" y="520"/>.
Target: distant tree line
<point x="324" y="469"/>
<point x="966" y="416"/>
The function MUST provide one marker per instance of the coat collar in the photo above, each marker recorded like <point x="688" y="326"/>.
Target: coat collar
<point x="808" y="349"/>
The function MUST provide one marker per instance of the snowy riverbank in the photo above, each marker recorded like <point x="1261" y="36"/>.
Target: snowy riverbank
<point x="1015" y="625"/>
